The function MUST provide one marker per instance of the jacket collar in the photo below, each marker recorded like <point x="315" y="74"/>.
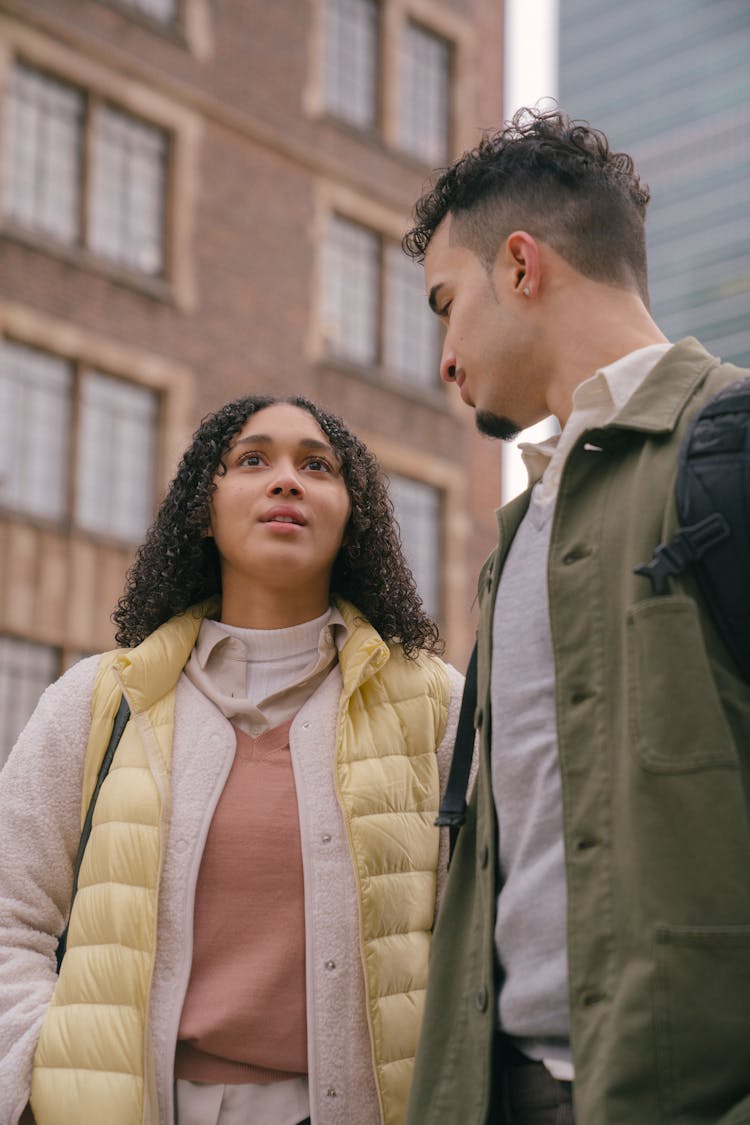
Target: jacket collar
<point x="655" y="407"/>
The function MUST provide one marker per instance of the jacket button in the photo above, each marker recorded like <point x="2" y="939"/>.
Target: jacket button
<point x="330" y="1092"/>
<point x="481" y="999"/>
<point x="484" y="855"/>
<point x="580" y="696"/>
<point x="479" y="718"/>
<point x="330" y="965"/>
<point x="305" y="726"/>
<point x="325" y="838"/>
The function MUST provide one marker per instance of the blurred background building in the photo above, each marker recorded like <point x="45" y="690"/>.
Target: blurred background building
<point x="669" y="82"/>
<point x="199" y="199"/>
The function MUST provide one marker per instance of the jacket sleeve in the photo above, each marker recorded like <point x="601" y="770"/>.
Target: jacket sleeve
<point x="40" y="819"/>
<point x="444" y="757"/>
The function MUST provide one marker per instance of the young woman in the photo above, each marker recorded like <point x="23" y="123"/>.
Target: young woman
<point x="248" y="942"/>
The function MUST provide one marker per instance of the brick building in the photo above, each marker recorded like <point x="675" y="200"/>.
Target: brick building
<point x="200" y="198"/>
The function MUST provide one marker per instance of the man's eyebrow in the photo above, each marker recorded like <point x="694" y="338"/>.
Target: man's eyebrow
<point x="433" y="297"/>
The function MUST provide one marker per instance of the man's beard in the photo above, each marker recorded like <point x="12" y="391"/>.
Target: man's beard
<point x="494" y="425"/>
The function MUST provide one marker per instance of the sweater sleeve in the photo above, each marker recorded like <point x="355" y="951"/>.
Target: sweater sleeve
<point x="40" y="818"/>
<point x="445" y="756"/>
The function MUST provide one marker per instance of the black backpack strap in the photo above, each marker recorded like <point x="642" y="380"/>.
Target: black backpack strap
<point x="121" y="718"/>
<point x="453" y="805"/>
<point x="712" y="500"/>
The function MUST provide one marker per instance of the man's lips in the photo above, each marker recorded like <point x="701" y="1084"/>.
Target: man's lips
<point x="284" y="517"/>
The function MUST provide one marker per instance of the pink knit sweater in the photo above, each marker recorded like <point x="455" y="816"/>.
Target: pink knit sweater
<point x="243" y="1019"/>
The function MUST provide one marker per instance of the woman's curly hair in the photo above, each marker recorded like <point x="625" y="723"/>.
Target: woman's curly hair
<point x="178" y="565"/>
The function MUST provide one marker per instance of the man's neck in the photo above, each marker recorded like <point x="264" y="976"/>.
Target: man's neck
<point x="600" y="327"/>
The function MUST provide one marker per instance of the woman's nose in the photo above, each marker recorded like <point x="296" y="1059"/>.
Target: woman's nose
<point x="286" y="483"/>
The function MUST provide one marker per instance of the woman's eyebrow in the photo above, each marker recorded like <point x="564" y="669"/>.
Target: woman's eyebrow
<point x="304" y="443"/>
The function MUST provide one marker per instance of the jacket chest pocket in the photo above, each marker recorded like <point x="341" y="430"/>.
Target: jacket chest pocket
<point x="677" y="724"/>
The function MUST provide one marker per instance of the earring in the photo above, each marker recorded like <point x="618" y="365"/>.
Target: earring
<point x="526" y="291"/>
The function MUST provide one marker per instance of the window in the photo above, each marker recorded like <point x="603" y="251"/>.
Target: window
<point x="163" y="10"/>
<point x="126" y="216"/>
<point x="56" y="140"/>
<point x="117" y="447"/>
<point x="351" y="65"/>
<point x="351" y="285"/>
<point x="59" y="424"/>
<point x="412" y="341"/>
<point x="417" y="508"/>
<point x="35" y="417"/>
<point x="424" y="122"/>
<point x="25" y="671"/>
<point x="44" y="128"/>
<point x="375" y="311"/>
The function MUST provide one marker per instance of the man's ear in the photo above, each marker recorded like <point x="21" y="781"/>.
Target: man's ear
<point x="522" y="263"/>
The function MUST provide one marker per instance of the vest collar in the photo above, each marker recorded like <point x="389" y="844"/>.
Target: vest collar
<point x="151" y="669"/>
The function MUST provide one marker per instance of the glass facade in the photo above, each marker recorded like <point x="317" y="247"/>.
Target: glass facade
<point x="669" y="83"/>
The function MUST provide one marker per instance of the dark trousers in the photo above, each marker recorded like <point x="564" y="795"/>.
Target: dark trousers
<point x="525" y="1093"/>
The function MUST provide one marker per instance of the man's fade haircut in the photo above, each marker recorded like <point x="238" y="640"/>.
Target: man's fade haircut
<point x="554" y="177"/>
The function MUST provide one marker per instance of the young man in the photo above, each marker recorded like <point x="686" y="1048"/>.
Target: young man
<point x="592" y="956"/>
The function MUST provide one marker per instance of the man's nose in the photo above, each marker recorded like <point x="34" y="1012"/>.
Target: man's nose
<point x="448" y="365"/>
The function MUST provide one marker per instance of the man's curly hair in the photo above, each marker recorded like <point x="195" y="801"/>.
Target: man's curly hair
<point x="554" y="177"/>
<point x="178" y="565"/>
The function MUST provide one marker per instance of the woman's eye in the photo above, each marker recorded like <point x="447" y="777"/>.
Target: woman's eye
<point x="319" y="465"/>
<point x="249" y="459"/>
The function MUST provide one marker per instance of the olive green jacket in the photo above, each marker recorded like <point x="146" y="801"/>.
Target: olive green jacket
<point x="653" y="727"/>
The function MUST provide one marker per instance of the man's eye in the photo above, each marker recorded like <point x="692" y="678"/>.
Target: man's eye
<point x="319" y="465"/>
<point x="249" y="459"/>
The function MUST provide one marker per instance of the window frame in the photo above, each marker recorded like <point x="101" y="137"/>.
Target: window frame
<point x="374" y="128"/>
<point x="142" y="101"/>
<point x="399" y="380"/>
<point x="456" y="30"/>
<point x="93" y="104"/>
<point x="57" y="663"/>
<point x="437" y="611"/>
<point x="419" y="26"/>
<point x="68" y="521"/>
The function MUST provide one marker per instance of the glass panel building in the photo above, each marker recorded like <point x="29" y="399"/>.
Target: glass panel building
<point x="670" y="84"/>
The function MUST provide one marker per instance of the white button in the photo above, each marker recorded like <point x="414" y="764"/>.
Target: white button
<point x="305" y="726"/>
<point x="325" y="838"/>
<point x="330" y="965"/>
<point x="330" y="1092"/>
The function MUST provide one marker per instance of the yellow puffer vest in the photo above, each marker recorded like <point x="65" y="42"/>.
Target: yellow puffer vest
<point x="93" y="1062"/>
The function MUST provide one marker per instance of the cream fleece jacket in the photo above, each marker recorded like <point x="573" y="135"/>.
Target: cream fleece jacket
<point x="40" y="796"/>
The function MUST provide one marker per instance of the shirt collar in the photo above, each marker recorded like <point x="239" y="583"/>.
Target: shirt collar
<point x="595" y="401"/>
<point x="333" y="634"/>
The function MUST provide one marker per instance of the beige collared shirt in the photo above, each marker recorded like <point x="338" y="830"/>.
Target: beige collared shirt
<point x="259" y="678"/>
